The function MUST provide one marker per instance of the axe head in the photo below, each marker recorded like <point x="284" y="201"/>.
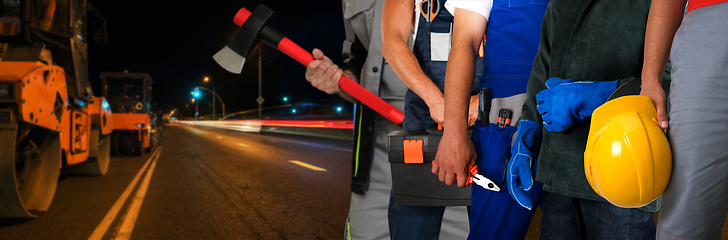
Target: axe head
<point x="232" y="56"/>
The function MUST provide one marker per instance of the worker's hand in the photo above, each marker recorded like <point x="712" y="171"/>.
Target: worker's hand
<point x="567" y="102"/>
<point x="454" y="154"/>
<point x="323" y="73"/>
<point x="525" y="149"/>
<point x="437" y="109"/>
<point x="657" y="95"/>
<point x="473" y="110"/>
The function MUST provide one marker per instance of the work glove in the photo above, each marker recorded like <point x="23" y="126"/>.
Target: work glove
<point x="525" y="148"/>
<point x="567" y="102"/>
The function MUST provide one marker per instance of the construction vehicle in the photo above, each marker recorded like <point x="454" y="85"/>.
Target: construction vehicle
<point x="130" y="97"/>
<point x="50" y="122"/>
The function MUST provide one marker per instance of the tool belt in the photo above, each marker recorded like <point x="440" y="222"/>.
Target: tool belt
<point x="413" y="184"/>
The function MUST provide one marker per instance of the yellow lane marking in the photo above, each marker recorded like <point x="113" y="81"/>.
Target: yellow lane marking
<point x="124" y="233"/>
<point x="244" y="145"/>
<point x="306" y="165"/>
<point x="219" y="137"/>
<point x="111" y="215"/>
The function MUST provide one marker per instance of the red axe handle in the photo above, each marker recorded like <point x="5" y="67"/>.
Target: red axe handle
<point x="346" y="84"/>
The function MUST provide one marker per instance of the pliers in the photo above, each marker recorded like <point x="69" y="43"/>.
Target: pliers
<point x="481" y="180"/>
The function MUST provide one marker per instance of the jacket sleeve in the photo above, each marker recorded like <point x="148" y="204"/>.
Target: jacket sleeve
<point x="354" y="52"/>
<point x="541" y="69"/>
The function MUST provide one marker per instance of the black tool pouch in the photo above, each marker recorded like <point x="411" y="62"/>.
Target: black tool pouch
<point x="361" y="162"/>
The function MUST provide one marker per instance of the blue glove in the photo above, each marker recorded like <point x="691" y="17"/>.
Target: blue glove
<point x="526" y="147"/>
<point x="567" y="102"/>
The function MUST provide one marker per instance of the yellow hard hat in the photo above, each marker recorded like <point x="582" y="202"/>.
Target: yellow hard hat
<point x="627" y="159"/>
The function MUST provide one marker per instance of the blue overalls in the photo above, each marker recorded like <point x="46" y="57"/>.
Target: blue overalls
<point x="432" y="45"/>
<point x="512" y="39"/>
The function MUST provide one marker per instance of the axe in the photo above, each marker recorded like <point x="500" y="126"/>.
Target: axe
<point x="254" y="27"/>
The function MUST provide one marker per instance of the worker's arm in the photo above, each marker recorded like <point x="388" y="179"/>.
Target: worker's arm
<point x="662" y="23"/>
<point x="397" y="18"/>
<point x="325" y="75"/>
<point x="456" y="150"/>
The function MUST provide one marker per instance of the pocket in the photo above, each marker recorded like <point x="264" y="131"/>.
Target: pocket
<point x="440" y="46"/>
<point x="519" y="3"/>
<point x="493" y="145"/>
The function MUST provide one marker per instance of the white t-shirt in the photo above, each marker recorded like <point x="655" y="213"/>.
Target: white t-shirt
<point x="481" y="7"/>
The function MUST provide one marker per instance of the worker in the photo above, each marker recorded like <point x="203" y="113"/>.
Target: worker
<point x="512" y="42"/>
<point x="585" y="48"/>
<point x="10" y="18"/>
<point x="47" y="21"/>
<point x="363" y="63"/>
<point x="693" y="205"/>
<point x="422" y="69"/>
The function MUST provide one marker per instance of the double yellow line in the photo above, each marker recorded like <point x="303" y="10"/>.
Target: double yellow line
<point x="127" y="224"/>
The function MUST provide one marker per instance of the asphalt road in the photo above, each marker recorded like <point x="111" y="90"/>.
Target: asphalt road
<point x="209" y="184"/>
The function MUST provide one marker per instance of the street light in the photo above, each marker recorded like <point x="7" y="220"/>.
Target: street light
<point x="207" y="79"/>
<point x="197" y="89"/>
<point x="285" y="99"/>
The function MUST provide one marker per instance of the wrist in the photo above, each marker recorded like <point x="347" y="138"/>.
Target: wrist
<point x="651" y="79"/>
<point x="432" y="99"/>
<point x="459" y="125"/>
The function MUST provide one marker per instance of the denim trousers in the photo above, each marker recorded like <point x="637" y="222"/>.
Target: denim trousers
<point x="569" y="218"/>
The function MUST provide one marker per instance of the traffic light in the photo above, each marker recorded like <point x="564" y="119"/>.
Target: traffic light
<point x="196" y="93"/>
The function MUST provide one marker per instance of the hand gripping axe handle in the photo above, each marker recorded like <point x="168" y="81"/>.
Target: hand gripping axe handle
<point x="254" y="28"/>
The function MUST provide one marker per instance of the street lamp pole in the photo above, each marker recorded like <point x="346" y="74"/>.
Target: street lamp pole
<point x="260" y="83"/>
<point x="196" y="112"/>
<point x="213" y="100"/>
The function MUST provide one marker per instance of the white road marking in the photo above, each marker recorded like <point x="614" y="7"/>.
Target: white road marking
<point x="344" y="149"/>
<point x="244" y="145"/>
<point x="306" y="165"/>
<point x="124" y="233"/>
<point x="111" y="215"/>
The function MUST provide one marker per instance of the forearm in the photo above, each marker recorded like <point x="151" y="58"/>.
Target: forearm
<point x="461" y="68"/>
<point x="458" y="85"/>
<point x="396" y="24"/>
<point x="662" y="23"/>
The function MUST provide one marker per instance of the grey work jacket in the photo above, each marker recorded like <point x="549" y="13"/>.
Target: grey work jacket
<point x="362" y="21"/>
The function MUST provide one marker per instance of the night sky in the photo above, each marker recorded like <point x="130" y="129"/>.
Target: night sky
<point x="174" y="41"/>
